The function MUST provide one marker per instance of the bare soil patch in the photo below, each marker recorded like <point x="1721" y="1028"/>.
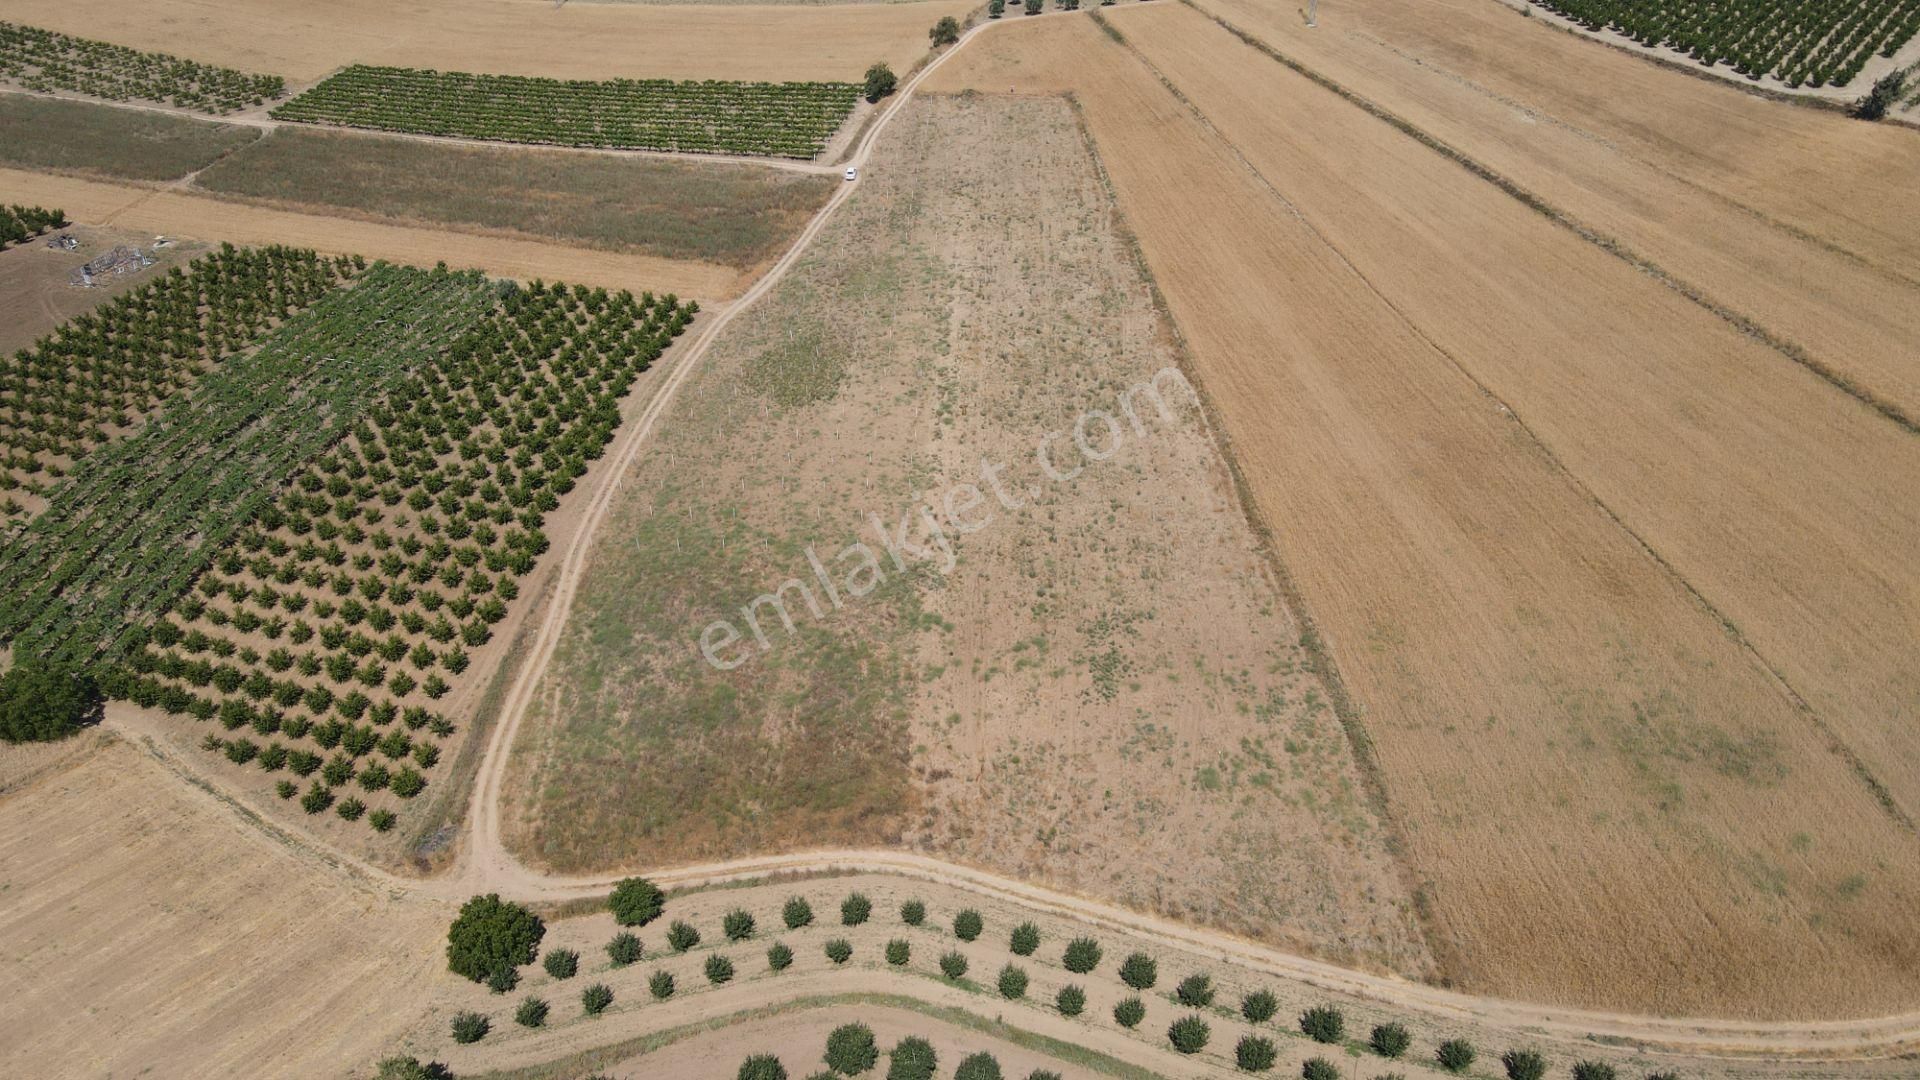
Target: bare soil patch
<point x="35" y="296"/>
<point x="1605" y="796"/>
<point x="304" y="42"/>
<point x="1107" y="692"/>
<point x="735" y="215"/>
<point x="148" y="929"/>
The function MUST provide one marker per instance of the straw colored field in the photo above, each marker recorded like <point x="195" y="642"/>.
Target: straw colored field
<point x="1106" y="691"/>
<point x="776" y="43"/>
<point x="254" y="957"/>
<point x="735" y="215"/>
<point x="1609" y="796"/>
<point x="177" y="213"/>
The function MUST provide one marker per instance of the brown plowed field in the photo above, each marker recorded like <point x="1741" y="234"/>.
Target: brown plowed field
<point x="305" y="41"/>
<point x="1607" y="793"/>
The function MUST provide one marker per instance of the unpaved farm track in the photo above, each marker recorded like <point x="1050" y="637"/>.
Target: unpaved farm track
<point x="485" y="865"/>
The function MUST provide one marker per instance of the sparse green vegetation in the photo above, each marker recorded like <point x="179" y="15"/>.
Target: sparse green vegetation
<point x="1139" y="971"/>
<point x="1389" y="1040"/>
<point x="636" y="902"/>
<point x="1455" y="1055"/>
<point x="469" y="1027"/>
<point x="851" y="1050"/>
<point x="45" y="61"/>
<point x="100" y="140"/>
<point x="1323" y="1024"/>
<point x="1081" y="956"/>
<point x="1254" y="1053"/>
<point x="967" y="925"/>
<point x="1189" y="1034"/>
<point x="1129" y="1012"/>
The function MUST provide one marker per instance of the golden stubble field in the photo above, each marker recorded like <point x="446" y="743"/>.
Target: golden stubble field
<point x="1107" y="691"/>
<point x="1609" y="796"/>
<point x="304" y="42"/>
<point x="149" y="929"/>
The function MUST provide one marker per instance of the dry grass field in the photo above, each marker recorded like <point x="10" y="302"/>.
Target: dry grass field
<point x="115" y="144"/>
<point x="1187" y="761"/>
<point x="1605" y="791"/>
<point x="180" y="213"/>
<point x="149" y="931"/>
<point x="304" y="42"/>
<point x="735" y="215"/>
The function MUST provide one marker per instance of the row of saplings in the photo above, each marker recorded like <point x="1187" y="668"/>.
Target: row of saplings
<point x="852" y="1051"/>
<point x="491" y="939"/>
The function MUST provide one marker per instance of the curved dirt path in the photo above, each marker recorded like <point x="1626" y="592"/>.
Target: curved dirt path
<point x="485" y="865"/>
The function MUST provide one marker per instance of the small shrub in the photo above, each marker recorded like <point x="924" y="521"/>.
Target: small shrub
<point x="1012" y="983"/>
<point x="531" y="1013"/>
<point x="1140" y="971"/>
<point x="1041" y="1074"/>
<point x="636" y="902"/>
<point x="1024" y="940"/>
<point x="738" y="925"/>
<point x="797" y="913"/>
<point x="1255" y="1054"/>
<point x="317" y="798"/>
<point x="982" y="1066"/>
<point x="762" y="1067"/>
<point x="1389" y="1040"/>
<point x="381" y="820"/>
<point x="898" y="952"/>
<point x="660" y="985"/>
<point x="562" y="963"/>
<point x="502" y="980"/>
<point x="839" y="951"/>
<point x="1319" y="1069"/>
<point x="967" y="925"/>
<point x="350" y="809"/>
<point x="912" y="1059"/>
<point x="1259" y="1006"/>
<point x="1195" y="991"/>
<point x="1071" y="1001"/>
<point x="1082" y="955"/>
<point x="1524" y="1065"/>
<point x="411" y="1068"/>
<point x="682" y="936"/>
<point x="1455" y="1055"/>
<point x="855" y="909"/>
<point x="469" y="1027"/>
<point x="779" y="957"/>
<point x="1323" y="1024"/>
<point x="624" y="949"/>
<point x="1189" y="1034"/>
<point x="286" y="789"/>
<point x="913" y="913"/>
<point x="953" y="965"/>
<point x="1593" y="1070"/>
<point x="719" y="969"/>
<point x="850" y="1049"/>
<point x="595" y="999"/>
<point x="1130" y="1012"/>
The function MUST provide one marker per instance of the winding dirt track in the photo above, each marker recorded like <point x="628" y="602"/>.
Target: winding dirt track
<point x="486" y="866"/>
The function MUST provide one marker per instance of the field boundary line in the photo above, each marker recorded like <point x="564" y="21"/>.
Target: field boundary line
<point x="1745" y="324"/>
<point x="1835" y="744"/>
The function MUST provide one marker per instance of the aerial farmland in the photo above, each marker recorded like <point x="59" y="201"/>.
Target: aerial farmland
<point x="912" y="538"/>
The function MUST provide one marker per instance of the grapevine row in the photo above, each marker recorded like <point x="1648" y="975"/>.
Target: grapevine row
<point x="1801" y="42"/>
<point x="776" y="119"/>
<point x="96" y="377"/>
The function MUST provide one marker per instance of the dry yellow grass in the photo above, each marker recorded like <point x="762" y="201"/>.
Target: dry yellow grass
<point x="173" y="213"/>
<point x="148" y="931"/>
<point x="1611" y="801"/>
<point x="513" y="37"/>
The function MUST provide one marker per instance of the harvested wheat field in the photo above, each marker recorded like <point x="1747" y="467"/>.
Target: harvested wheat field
<point x="1604" y="791"/>
<point x="151" y="929"/>
<point x="304" y="42"/>
<point x="937" y="329"/>
<point x="172" y="212"/>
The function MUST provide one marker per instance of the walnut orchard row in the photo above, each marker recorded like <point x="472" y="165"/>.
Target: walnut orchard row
<point x="305" y="547"/>
<point x="492" y="939"/>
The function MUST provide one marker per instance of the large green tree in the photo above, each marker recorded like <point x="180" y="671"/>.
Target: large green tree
<point x="41" y="701"/>
<point x="490" y="935"/>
